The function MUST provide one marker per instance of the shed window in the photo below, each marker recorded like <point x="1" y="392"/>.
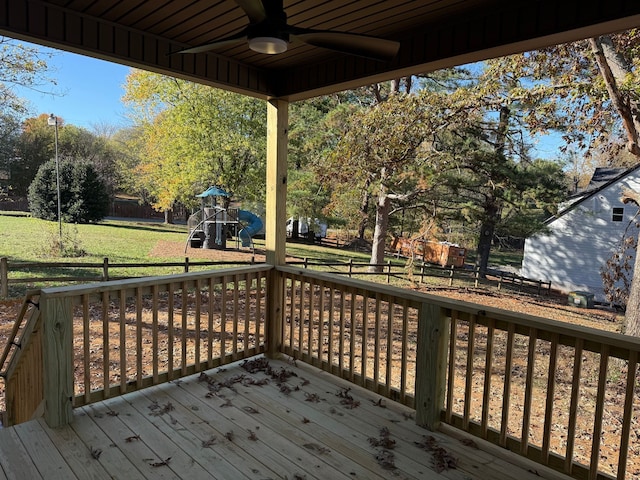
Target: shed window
<point x="618" y="213"/>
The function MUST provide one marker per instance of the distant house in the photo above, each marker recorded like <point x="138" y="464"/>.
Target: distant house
<point x="583" y="234"/>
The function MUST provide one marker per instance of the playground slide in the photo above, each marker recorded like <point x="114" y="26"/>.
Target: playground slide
<point x="253" y="226"/>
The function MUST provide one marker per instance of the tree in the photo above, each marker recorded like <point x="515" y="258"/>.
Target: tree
<point x="83" y="195"/>
<point x="381" y="150"/>
<point x="192" y="136"/>
<point x="621" y="82"/>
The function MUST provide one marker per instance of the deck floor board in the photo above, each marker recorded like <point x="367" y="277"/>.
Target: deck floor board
<point x="293" y="428"/>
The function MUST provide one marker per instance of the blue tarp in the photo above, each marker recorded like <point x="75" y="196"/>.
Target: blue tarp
<point x="214" y="192"/>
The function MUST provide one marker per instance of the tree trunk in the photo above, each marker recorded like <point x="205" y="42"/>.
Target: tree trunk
<point x="168" y="216"/>
<point x="380" y="231"/>
<point x="364" y="210"/>
<point x="632" y="315"/>
<point x="613" y="69"/>
<point x="491" y="206"/>
<point x="486" y="238"/>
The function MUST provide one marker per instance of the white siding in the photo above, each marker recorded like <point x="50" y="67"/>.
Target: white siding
<point x="580" y="241"/>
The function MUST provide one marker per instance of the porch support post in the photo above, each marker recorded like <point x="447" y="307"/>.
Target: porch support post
<point x="276" y="216"/>
<point x="431" y="364"/>
<point x="57" y="350"/>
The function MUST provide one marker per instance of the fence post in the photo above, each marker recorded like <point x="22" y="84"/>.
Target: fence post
<point x="431" y="365"/>
<point x="186" y="264"/>
<point x="306" y="261"/>
<point x="477" y="276"/>
<point x="4" y="278"/>
<point x="388" y="271"/>
<point x="57" y="353"/>
<point x="350" y="266"/>
<point x="451" y="275"/>
<point x="500" y="281"/>
<point x="105" y="269"/>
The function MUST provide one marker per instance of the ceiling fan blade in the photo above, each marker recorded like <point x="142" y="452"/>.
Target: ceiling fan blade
<point x="223" y="42"/>
<point x="254" y="9"/>
<point x="354" y="44"/>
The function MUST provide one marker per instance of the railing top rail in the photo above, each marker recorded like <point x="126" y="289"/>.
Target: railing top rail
<point x="115" y="285"/>
<point x="588" y="334"/>
<point x="28" y="300"/>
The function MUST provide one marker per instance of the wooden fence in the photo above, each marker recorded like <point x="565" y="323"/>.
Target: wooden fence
<point x="351" y="269"/>
<point x="105" y="270"/>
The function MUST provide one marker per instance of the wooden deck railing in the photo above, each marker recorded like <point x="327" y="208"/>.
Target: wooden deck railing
<point x="107" y="339"/>
<point x="553" y="392"/>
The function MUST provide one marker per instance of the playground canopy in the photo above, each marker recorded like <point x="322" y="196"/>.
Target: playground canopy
<point x="213" y="191"/>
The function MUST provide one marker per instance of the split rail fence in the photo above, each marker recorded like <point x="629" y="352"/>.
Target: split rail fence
<point x="105" y="271"/>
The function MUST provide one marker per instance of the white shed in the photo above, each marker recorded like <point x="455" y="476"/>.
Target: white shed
<point x="583" y="234"/>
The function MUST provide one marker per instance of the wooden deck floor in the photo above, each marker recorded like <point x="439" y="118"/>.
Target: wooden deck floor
<point x="245" y="430"/>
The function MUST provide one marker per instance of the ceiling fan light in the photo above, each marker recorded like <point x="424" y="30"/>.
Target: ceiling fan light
<point x="268" y="45"/>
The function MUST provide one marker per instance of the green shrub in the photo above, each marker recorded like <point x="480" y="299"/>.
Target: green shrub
<point x="83" y="194"/>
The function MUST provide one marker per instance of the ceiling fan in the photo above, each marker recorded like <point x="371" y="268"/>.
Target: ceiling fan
<point x="268" y="32"/>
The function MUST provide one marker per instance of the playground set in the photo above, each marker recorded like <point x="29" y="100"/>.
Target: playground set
<point x="215" y="223"/>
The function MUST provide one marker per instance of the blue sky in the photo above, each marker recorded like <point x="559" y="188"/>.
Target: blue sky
<point x="88" y="91"/>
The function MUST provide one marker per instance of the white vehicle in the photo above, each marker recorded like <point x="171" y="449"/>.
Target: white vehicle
<point x="318" y="228"/>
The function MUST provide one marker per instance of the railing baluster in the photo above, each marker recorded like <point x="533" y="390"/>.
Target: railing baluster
<point x="310" y="322"/>
<point x="488" y="368"/>
<point x="405" y="341"/>
<point x="154" y="333"/>
<point x="573" y="407"/>
<point x="451" y="372"/>
<point x="184" y="295"/>
<point x="292" y="308"/>
<point x="235" y="319"/>
<point x="122" y="311"/>
<point x="391" y="310"/>
<point x="247" y="310"/>
<point x="468" y="388"/>
<point x="105" y="343"/>
<point x="301" y="319"/>
<point x="628" y="414"/>
<point x="170" y="332"/>
<point x="365" y="339"/>
<point x="260" y="279"/>
<point x="139" y="359"/>
<point x="376" y="343"/>
<point x="528" y="391"/>
<point x="343" y="300"/>
<point x="223" y="318"/>
<point x="352" y="336"/>
<point x="196" y="319"/>
<point x="597" y="424"/>
<point x="321" y="288"/>
<point x="506" y="393"/>
<point x="211" y="295"/>
<point x="551" y="384"/>
<point x="330" y="352"/>
<point x="86" y="347"/>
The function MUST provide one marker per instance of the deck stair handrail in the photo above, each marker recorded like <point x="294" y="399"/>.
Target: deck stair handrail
<point x="23" y="349"/>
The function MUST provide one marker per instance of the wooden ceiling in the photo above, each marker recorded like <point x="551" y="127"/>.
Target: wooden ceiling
<point x="432" y="34"/>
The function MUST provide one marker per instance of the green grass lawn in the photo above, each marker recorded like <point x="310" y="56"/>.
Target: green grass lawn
<point x="29" y="239"/>
<point x="26" y="239"/>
